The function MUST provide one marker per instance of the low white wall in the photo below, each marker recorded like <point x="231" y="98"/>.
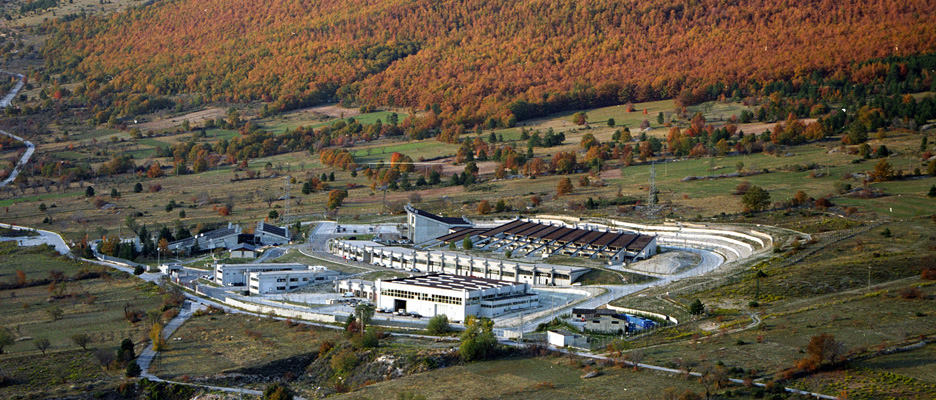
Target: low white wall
<point x="634" y="311"/>
<point x="280" y="312"/>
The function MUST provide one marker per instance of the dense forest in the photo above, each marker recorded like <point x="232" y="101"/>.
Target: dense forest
<point x="482" y="62"/>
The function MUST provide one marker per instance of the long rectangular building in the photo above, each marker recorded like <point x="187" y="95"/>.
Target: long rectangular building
<point x="454" y="296"/>
<point x="455" y="263"/>
<point x="526" y="237"/>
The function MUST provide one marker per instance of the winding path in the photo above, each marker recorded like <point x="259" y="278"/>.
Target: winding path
<point x="30" y="148"/>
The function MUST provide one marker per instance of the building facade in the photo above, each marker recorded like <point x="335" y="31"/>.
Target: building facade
<point x="456" y="263"/>
<point x="424" y="226"/>
<point x="237" y="274"/>
<point x="454" y="296"/>
<point x="270" y="282"/>
<point x="271" y="235"/>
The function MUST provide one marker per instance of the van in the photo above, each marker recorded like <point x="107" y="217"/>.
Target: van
<point x="347" y="294"/>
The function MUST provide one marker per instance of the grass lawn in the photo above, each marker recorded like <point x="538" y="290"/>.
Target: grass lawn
<point x="297" y="257"/>
<point x="92" y="306"/>
<point x="56" y="375"/>
<point x="216" y="343"/>
<point x="527" y="378"/>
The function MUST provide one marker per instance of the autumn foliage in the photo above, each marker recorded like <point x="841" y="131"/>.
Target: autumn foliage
<point x="477" y="62"/>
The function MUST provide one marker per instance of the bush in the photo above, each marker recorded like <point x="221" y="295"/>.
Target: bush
<point x="697" y="308"/>
<point x="133" y="370"/>
<point x="344" y="362"/>
<point x="138" y="270"/>
<point x="438" y="325"/>
<point x="277" y="391"/>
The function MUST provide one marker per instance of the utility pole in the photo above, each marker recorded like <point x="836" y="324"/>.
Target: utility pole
<point x="286" y="211"/>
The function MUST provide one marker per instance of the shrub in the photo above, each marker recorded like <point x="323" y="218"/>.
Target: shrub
<point x="344" y="362"/>
<point x="438" y="325"/>
<point x="133" y="370"/>
<point x="910" y="293"/>
<point x="277" y="391"/>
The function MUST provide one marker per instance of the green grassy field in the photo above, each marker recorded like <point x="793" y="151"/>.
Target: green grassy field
<point x="211" y="344"/>
<point x="527" y="378"/>
<point x="296" y="256"/>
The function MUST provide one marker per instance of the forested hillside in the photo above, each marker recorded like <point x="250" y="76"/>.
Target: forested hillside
<point x="473" y="60"/>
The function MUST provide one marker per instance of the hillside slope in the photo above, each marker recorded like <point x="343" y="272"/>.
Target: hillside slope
<point x="473" y="58"/>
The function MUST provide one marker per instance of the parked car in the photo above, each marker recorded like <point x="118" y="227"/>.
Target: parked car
<point x="401" y="312"/>
<point x="415" y="315"/>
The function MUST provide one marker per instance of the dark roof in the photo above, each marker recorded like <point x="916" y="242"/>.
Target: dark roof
<point x="588" y="237"/>
<point x="503" y="228"/>
<point x="533" y="229"/>
<point x="640" y="242"/>
<point x="520" y="228"/>
<point x="572" y="235"/>
<point x="541" y="234"/>
<point x="593" y="311"/>
<point x="206" y="236"/>
<point x="622" y="241"/>
<point x="444" y="220"/>
<point x="460" y="234"/>
<point x="244" y="246"/>
<point x="452" y="282"/>
<point x="605" y="239"/>
<point x="558" y="233"/>
<point x="271" y="229"/>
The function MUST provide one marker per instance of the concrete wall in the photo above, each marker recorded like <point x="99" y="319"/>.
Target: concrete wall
<point x="281" y="312"/>
<point x="636" y="312"/>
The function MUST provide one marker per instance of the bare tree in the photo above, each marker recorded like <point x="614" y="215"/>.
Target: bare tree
<point x="269" y="198"/>
<point x="42" y="344"/>
<point x="105" y="357"/>
<point x="82" y="340"/>
<point x="713" y="377"/>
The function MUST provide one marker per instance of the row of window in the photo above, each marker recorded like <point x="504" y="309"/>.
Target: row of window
<point x="499" y="305"/>
<point x="435" y="298"/>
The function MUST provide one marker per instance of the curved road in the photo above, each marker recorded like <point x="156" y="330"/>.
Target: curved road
<point x="30" y="148"/>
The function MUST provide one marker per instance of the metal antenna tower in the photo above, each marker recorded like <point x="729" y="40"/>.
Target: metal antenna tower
<point x="286" y="211"/>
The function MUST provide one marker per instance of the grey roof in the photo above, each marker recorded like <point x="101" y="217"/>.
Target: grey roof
<point x="216" y="234"/>
<point x="244" y="246"/>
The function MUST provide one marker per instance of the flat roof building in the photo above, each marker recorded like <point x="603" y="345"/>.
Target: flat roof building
<point x="456" y="263"/>
<point x="268" y="282"/>
<point x="454" y="296"/>
<point x="237" y="274"/>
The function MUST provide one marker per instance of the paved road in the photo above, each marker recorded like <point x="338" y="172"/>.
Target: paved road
<point x="8" y="99"/>
<point x="45" y="237"/>
<point x="30" y="149"/>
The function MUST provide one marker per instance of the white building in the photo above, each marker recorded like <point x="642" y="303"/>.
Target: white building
<point x="562" y="338"/>
<point x="456" y="263"/>
<point x="455" y="296"/>
<point x="237" y="274"/>
<point x="424" y="226"/>
<point x="268" y="282"/>
<point x="359" y="287"/>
